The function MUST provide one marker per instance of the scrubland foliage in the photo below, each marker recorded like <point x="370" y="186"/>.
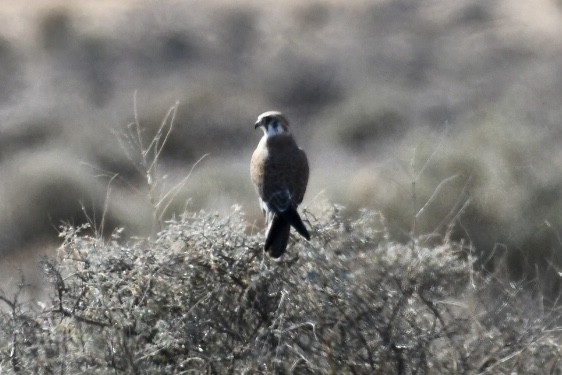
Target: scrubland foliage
<point x="201" y="297"/>
<point x="365" y="295"/>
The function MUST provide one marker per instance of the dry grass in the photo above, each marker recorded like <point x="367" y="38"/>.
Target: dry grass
<point x="442" y="116"/>
<point x="201" y="297"/>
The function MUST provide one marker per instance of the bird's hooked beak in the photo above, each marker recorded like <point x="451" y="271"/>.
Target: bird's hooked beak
<point x="258" y="124"/>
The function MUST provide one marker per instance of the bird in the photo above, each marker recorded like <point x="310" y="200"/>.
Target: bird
<point x="279" y="171"/>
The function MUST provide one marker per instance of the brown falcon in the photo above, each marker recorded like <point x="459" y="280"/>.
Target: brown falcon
<point x="279" y="170"/>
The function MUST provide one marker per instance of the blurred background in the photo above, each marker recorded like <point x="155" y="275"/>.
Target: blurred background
<point x="445" y="116"/>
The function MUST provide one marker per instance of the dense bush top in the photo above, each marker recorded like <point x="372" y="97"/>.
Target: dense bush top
<point x="201" y="297"/>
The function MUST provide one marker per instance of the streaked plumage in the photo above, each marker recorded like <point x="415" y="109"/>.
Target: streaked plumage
<point x="279" y="171"/>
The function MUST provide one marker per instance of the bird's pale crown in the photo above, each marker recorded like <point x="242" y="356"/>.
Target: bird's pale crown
<point x="272" y="123"/>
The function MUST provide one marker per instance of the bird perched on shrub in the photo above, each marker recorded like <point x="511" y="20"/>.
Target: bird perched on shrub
<point x="279" y="171"/>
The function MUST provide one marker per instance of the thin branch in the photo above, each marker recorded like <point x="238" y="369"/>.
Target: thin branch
<point x="106" y="203"/>
<point x="435" y="193"/>
<point x="174" y="191"/>
<point x="155" y="141"/>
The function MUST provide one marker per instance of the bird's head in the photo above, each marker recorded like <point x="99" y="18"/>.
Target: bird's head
<point x="272" y="123"/>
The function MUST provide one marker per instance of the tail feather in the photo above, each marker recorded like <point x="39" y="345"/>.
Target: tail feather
<point x="279" y="228"/>
<point x="292" y="217"/>
<point x="277" y="237"/>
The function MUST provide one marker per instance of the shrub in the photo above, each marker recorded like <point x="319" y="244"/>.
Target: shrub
<point x="202" y="297"/>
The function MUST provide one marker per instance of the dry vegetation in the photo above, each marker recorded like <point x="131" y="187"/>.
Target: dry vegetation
<point x="442" y="117"/>
<point x="201" y="298"/>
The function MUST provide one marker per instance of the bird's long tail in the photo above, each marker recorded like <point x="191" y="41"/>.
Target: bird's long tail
<point x="277" y="237"/>
<point x="278" y="231"/>
<point x="293" y="218"/>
